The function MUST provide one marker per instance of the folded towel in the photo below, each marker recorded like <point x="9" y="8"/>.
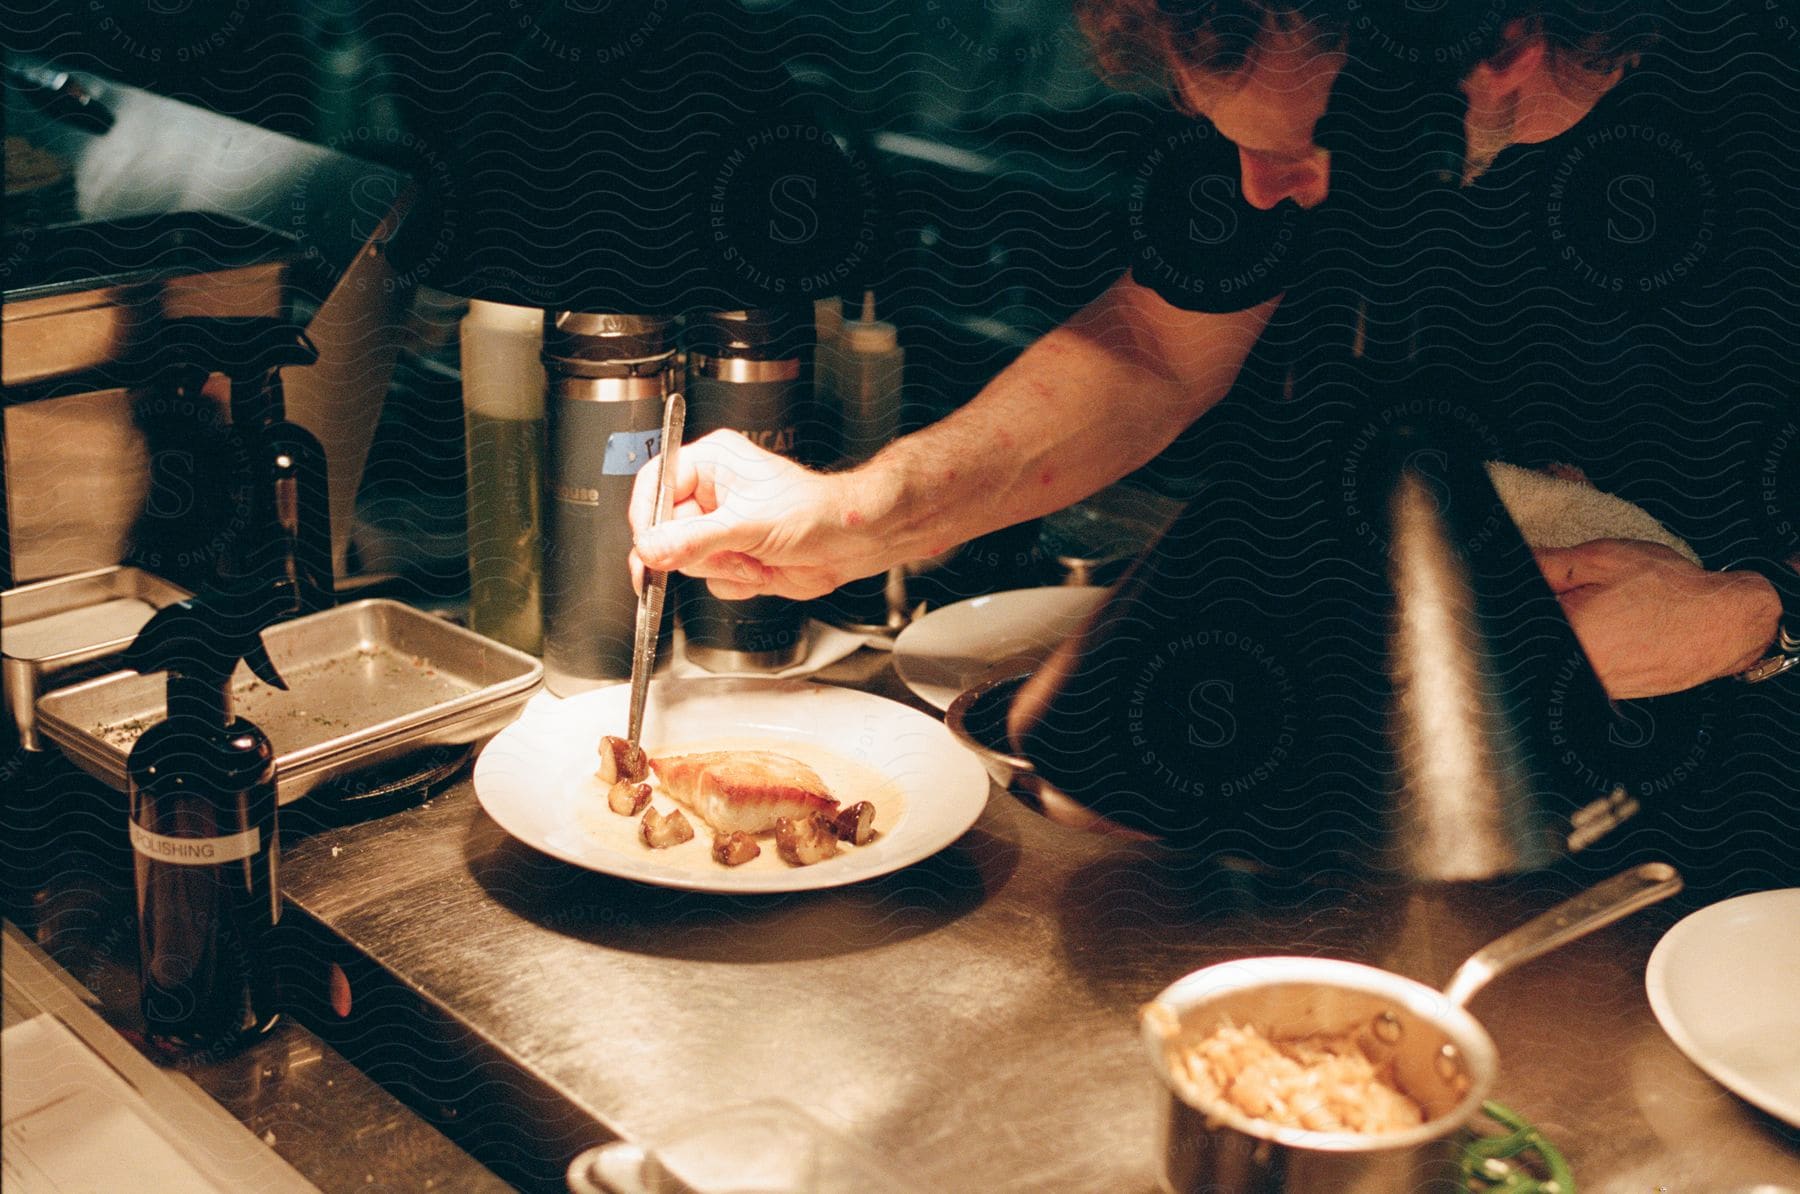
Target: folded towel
<point x="1555" y="512"/>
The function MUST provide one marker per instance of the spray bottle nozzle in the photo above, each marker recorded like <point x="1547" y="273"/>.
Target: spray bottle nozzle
<point x="199" y="642"/>
<point x="264" y="667"/>
<point x="238" y="346"/>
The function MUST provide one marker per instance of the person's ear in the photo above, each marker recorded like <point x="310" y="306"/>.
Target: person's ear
<point x="1507" y="73"/>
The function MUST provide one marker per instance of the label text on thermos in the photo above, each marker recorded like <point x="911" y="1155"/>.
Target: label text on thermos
<point x="196" y="851"/>
<point x="779" y="440"/>
<point x="581" y="495"/>
<point x="629" y="451"/>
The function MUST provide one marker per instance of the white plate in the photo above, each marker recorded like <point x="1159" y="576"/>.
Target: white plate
<point x="1725" y="985"/>
<point x="951" y="650"/>
<point x="536" y="778"/>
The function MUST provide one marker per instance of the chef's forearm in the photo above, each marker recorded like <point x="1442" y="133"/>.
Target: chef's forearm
<point x="1050" y="430"/>
<point x="1090" y="402"/>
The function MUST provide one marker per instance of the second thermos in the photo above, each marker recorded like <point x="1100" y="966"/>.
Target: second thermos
<point x="751" y="372"/>
<point x="608" y="377"/>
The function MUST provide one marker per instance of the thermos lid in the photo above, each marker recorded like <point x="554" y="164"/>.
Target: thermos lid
<point x="765" y="334"/>
<point x="573" y="339"/>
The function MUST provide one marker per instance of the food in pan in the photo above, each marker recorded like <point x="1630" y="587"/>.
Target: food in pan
<point x="660" y="832"/>
<point x="619" y="759"/>
<point x="734" y="849"/>
<point x="744" y="791"/>
<point x="1321" y="1083"/>
<point x="627" y="798"/>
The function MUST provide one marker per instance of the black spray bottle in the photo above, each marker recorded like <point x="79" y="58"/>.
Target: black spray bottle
<point x="280" y="524"/>
<point x="202" y="796"/>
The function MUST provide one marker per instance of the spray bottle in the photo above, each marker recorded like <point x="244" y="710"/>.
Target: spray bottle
<point x="201" y="785"/>
<point x="289" y="498"/>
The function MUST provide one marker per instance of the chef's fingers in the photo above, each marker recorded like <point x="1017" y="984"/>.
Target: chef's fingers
<point x="804" y="584"/>
<point x="728" y="565"/>
<point x="1605" y="562"/>
<point x="635" y="562"/>
<point x="1557" y="567"/>
<point x="643" y="495"/>
<point x="679" y="543"/>
<point x="734" y="567"/>
<point x="706" y="471"/>
<point x="643" y="489"/>
<point x="731" y="590"/>
<point x="1568" y="568"/>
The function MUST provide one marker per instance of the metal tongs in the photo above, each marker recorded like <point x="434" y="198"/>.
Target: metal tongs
<point x="656" y="584"/>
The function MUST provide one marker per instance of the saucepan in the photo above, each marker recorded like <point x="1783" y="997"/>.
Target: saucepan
<point x="1435" y="1051"/>
<point x="977" y="719"/>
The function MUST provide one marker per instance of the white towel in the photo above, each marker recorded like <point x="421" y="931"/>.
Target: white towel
<point x="1554" y="512"/>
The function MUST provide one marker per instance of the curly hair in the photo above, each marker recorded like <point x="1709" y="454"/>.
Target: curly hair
<point x="1139" y="41"/>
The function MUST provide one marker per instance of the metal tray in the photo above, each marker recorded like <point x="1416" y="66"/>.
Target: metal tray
<point x="53" y="631"/>
<point x="367" y="683"/>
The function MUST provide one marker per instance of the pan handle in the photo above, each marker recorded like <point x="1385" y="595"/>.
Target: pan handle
<point x="1594" y="908"/>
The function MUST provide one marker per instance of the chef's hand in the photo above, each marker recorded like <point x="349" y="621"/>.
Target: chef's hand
<point x="752" y="523"/>
<point x="1652" y="622"/>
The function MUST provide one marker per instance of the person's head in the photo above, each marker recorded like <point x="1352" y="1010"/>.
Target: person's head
<point x="1262" y="70"/>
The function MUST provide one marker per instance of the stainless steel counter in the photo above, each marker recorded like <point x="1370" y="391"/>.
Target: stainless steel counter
<point x="66" y="860"/>
<point x="971" y="1019"/>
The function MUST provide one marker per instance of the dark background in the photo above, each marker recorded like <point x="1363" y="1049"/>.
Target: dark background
<point x="1000" y="159"/>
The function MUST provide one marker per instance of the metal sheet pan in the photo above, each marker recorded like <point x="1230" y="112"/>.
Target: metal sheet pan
<point x="53" y="631"/>
<point x="367" y="683"/>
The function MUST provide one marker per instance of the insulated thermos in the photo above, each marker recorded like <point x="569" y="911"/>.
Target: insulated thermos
<point x="751" y="372"/>
<point x="608" y="378"/>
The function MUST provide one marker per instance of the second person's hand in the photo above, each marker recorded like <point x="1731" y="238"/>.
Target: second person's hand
<point x="1653" y="623"/>
<point x="751" y="523"/>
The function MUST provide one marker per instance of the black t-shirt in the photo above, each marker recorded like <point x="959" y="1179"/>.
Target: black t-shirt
<point x="1190" y="235"/>
<point x="1621" y="299"/>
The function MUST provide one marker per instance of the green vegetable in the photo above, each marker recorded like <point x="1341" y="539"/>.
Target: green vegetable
<point x="1491" y="1164"/>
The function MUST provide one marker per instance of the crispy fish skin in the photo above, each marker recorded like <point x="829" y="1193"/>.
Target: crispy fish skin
<point x="744" y="791"/>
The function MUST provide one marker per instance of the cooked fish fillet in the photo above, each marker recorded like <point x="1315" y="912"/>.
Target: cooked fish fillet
<point x="744" y="791"/>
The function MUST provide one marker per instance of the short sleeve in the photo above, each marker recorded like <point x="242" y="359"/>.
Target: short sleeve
<point x="1190" y="235"/>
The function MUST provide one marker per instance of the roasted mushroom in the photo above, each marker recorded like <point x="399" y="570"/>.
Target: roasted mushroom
<point x="734" y="849"/>
<point x="627" y="799"/>
<point x="660" y="832"/>
<point x="855" y="824"/>
<point x="803" y="841"/>
<point x="620" y="760"/>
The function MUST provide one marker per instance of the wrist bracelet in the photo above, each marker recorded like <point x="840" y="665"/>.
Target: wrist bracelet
<point x="1785" y="650"/>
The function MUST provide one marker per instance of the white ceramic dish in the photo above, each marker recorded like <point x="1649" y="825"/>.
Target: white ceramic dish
<point x="953" y="649"/>
<point x="536" y="778"/>
<point x="1725" y="985"/>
